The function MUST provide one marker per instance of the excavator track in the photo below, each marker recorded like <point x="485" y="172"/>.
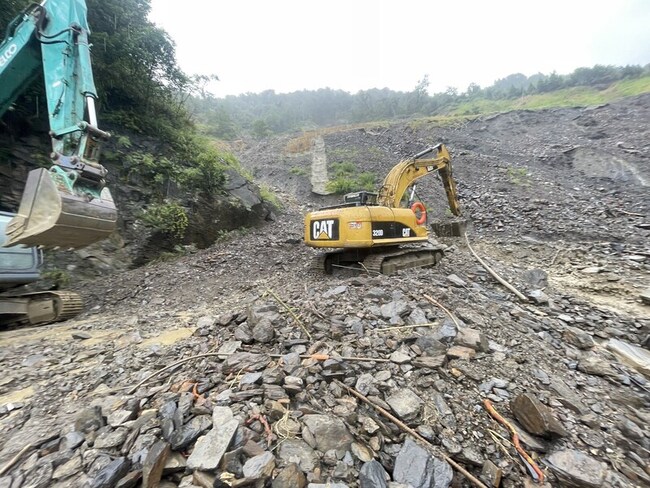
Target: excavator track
<point x="40" y="308"/>
<point x="389" y="262"/>
<point x="379" y="260"/>
<point x="68" y="304"/>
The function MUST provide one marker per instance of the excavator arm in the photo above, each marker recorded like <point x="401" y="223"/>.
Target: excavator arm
<point x="407" y="172"/>
<point x="67" y="205"/>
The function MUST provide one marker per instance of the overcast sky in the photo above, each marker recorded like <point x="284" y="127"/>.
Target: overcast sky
<point x="289" y="45"/>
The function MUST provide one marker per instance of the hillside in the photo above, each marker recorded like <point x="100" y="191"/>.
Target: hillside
<point x="559" y="206"/>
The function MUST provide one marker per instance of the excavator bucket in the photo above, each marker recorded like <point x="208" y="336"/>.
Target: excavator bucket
<point x="52" y="216"/>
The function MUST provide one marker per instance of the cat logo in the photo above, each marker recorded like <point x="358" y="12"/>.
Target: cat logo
<point x="327" y="229"/>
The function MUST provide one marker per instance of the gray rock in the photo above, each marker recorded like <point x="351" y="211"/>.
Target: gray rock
<point x="362" y="452"/>
<point x="364" y="383"/>
<point x="298" y="451"/>
<point x="189" y="432"/>
<point x="446" y="332"/>
<point x="89" y="420"/>
<point x="430" y="362"/>
<point x="430" y="345"/>
<point x="71" y="440"/>
<point x="290" y="477"/>
<point x="39" y="476"/>
<point x="399" y="357"/>
<point x="111" y="473"/>
<point x="70" y="468"/>
<point x="259" y="467"/>
<point x="491" y="474"/>
<point x="536" y="278"/>
<point x="221" y="415"/>
<point x="81" y="335"/>
<point x="243" y="334"/>
<point x="263" y="331"/>
<point x="206" y="322"/>
<point x="329" y="432"/>
<point x="251" y="378"/>
<point x="131" y="480"/>
<point x="645" y="296"/>
<point x="405" y="403"/>
<point x="578" y="338"/>
<point x="111" y="439"/>
<point x="293" y="384"/>
<point x="338" y="290"/>
<point x="327" y="485"/>
<point x="576" y="469"/>
<point x="416" y="467"/>
<point x="210" y="448"/>
<point x="567" y="396"/>
<point x="373" y="475"/>
<point x="154" y="464"/>
<point x="630" y="429"/>
<point x="377" y="293"/>
<point x="245" y="361"/>
<point x="472" y="338"/>
<point x="456" y="281"/>
<point x="538" y="297"/>
<point x="536" y="417"/>
<point x="416" y="317"/>
<point x="121" y="415"/>
<point x="396" y="308"/>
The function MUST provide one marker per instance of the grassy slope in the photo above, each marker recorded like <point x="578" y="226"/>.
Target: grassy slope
<point x="567" y="97"/>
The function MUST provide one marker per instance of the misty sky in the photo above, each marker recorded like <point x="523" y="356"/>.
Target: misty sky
<point x="289" y="45"/>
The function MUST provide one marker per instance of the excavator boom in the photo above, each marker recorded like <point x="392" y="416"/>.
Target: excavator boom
<point x="407" y="171"/>
<point x="67" y="205"/>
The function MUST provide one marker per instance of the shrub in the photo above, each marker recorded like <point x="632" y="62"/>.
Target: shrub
<point x="347" y="180"/>
<point x="169" y="218"/>
<point x="298" y="171"/>
<point x="269" y="196"/>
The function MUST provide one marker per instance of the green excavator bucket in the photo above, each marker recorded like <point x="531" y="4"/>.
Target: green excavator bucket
<point x="53" y="216"/>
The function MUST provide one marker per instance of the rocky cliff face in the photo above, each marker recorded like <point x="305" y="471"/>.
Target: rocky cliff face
<point x="239" y="205"/>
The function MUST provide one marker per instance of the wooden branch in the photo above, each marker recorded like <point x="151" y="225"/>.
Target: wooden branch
<point x="521" y="296"/>
<point x="438" y="304"/>
<point x="288" y="309"/>
<point x="475" y="481"/>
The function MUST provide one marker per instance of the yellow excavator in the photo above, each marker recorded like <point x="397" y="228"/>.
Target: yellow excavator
<point x="379" y="231"/>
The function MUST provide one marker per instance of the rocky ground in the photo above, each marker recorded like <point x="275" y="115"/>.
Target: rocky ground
<point x="236" y="366"/>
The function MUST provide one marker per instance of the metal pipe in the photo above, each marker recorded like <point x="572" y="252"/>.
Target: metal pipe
<point x="92" y="114"/>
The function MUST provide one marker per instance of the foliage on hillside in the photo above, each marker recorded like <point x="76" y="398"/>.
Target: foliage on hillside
<point x="269" y="112"/>
<point x="142" y="91"/>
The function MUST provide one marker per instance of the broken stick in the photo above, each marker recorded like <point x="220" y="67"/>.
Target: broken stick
<point x="475" y="481"/>
<point x="494" y="274"/>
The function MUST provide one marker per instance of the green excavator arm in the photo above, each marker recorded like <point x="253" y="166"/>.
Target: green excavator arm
<point x="68" y="204"/>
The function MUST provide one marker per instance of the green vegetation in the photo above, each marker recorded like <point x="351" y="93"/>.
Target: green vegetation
<point x="346" y="179"/>
<point x="60" y="278"/>
<point x="270" y="113"/>
<point x="269" y="196"/>
<point x="169" y="218"/>
<point x="566" y="97"/>
<point x="299" y="171"/>
<point x="518" y="176"/>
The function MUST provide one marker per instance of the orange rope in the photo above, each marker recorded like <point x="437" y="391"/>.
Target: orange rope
<point x="515" y="440"/>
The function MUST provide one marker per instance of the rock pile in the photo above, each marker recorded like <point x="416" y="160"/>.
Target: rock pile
<point x="235" y="367"/>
